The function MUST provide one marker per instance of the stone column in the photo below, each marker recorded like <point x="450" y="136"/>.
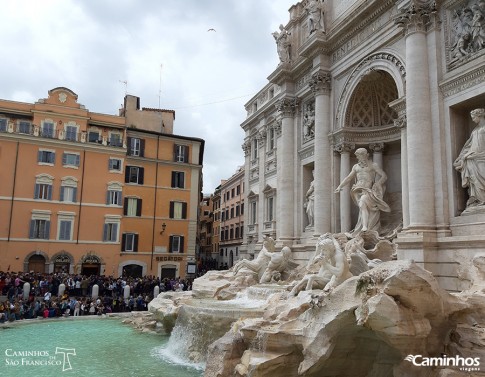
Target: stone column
<point x="247" y="168"/>
<point x="321" y="86"/>
<point x="404" y="172"/>
<point x="261" y="137"/>
<point x="399" y="106"/>
<point x="345" y="201"/>
<point x="377" y="149"/>
<point x="286" y="175"/>
<point x="418" y="114"/>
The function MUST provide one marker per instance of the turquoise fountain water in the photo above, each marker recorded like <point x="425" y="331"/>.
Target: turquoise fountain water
<point x="88" y="347"/>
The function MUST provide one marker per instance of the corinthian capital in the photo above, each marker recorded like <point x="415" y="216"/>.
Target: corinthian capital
<point x="287" y="106"/>
<point x="376" y="147"/>
<point x="320" y="83"/>
<point x="246" y="147"/>
<point x="344" y="147"/>
<point x="401" y="121"/>
<point x="418" y="16"/>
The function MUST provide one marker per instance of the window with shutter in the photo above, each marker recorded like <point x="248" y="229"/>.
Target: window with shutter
<point x="46" y="157"/>
<point x="39" y="229"/>
<point x="65" y="227"/>
<point x="110" y="232"/>
<point x="129" y="242"/>
<point x="25" y="127"/>
<point x="114" y="164"/>
<point x="136" y="146"/>
<point x="178" y="178"/>
<point x="181" y="153"/>
<point x="132" y="207"/>
<point x="43" y="191"/>
<point x="71" y="133"/>
<point x="134" y="174"/>
<point x="113" y="197"/>
<point x="176" y="244"/>
<point x="47" y="130"/>
<point x="94" y="136"/>
<point x="178" y="210"/>
<point x="3" y="124"/>
<point x="70" y="159"/>
<point x="68" y="194"/>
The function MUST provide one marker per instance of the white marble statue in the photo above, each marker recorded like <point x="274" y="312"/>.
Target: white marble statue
<point x="315" y="16"/>
<point x="259" y="264"/>
<point x="334" y="268"/>
<point x="471" y="161"/>
<point x="367" y="191"/>
<point x="310" y="203"/>
<point x="277" y="265"/>
<point x="282" y="44"/>
<point x="309" y="123"/>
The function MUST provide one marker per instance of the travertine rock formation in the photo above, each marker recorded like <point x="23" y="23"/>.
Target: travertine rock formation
<point x="366" y="326"/>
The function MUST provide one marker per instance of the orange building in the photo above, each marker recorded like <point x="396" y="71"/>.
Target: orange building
<point x="92" y="193"/>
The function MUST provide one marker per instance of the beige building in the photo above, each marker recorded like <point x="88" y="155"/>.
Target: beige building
<point x="90" y="193"/>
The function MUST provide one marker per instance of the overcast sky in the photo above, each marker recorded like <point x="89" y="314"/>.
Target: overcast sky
<point x="91" y="46"/>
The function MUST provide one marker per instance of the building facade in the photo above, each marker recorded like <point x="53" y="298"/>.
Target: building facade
<point x="216" y="225"/>
<point x="206" y="218"/>
<point x="90" y="193"/>
<point x="398" y="78"/>
<point x="231" y="219"/>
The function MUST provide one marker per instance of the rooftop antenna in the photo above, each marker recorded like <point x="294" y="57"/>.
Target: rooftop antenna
<point x="160" y="87"/>
<point x="125" y="83"/>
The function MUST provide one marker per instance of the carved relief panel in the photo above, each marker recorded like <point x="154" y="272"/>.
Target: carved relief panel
<point x="308" y="121"/>
<point x="465" y="32"/>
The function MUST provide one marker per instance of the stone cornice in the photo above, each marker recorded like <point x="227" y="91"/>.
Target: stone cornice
<point x="367" y="136"/>
<point x="398" y="105"/>
<point x="462" y="82"/>
<point x="304" y="80"/>
<point x="306" y="152"/>
<point x="337" y="39"/>
<point x="281" y="74"/>
<point x="316" y="43"/>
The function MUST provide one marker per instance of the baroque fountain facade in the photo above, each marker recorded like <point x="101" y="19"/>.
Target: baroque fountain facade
<point x="365" y="202"/>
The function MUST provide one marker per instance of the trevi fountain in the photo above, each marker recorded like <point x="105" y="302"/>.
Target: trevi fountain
<point x="370" y="136"/>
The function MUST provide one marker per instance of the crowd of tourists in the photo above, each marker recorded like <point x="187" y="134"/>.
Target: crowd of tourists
<point x="61" y="294"/>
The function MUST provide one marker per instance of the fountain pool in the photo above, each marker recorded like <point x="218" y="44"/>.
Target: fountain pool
<point x="88" y="347"/>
